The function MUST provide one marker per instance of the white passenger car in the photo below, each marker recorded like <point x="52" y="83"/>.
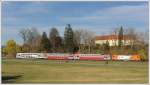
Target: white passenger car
<point x="30" y="55"/>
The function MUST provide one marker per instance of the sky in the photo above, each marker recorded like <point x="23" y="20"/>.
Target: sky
<point x="99" y="17"/>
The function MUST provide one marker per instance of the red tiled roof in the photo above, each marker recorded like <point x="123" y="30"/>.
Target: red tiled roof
<point x="111" y="37"/>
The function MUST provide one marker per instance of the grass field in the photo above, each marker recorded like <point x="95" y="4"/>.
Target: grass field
<point x="48" y="71"/>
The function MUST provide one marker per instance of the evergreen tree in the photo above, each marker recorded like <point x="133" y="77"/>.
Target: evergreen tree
<point x="45" y="43"/>
<point x="68" y="39"/>
<point x="120" y="37"/>
<point x="55" y="39"/>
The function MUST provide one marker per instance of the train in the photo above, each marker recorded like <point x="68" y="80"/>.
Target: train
<point x="62" y="56"/>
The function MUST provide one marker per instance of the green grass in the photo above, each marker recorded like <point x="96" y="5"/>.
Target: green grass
<point x="48" y="71"/>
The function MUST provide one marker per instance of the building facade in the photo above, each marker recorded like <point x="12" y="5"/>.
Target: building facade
<point x="113" y="40"/>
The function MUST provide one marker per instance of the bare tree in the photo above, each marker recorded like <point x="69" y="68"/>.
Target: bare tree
<point x="143" y="36"/>
<point x="35" y="38"/>
<point x="132" y="35"/>
<point x="77" y="38"/>
<point x="31" y="38"/>
<point x="86" y="39"/>
<point x="23" y="34"/>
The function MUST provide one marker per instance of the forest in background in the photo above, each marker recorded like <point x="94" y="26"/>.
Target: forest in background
<point x="78" y="40"/>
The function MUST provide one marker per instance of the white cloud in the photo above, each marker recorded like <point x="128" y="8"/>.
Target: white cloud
<point x="125" y="12"/>
<point x="30" y="10"/>
<point x="100" y="21"/>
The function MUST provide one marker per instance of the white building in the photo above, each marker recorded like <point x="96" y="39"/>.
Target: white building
<point x="113" y="40"/>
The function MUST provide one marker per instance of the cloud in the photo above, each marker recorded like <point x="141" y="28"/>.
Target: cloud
<point x="120" y="13"/>
<point x="103" y="20"/>
<point x="44" y="16"/>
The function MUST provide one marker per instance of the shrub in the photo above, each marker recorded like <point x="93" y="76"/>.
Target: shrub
<point x="142" y="53"/>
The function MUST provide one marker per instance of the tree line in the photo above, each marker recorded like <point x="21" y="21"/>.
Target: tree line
<point x="79" y="40"/>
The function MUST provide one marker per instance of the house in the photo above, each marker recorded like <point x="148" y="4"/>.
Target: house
<point x="113" y="40"/>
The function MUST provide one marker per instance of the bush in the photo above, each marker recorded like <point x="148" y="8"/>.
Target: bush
<point x="143" y="55"/>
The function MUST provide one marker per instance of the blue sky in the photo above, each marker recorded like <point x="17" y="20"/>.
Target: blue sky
<point x="99" y="17"/>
